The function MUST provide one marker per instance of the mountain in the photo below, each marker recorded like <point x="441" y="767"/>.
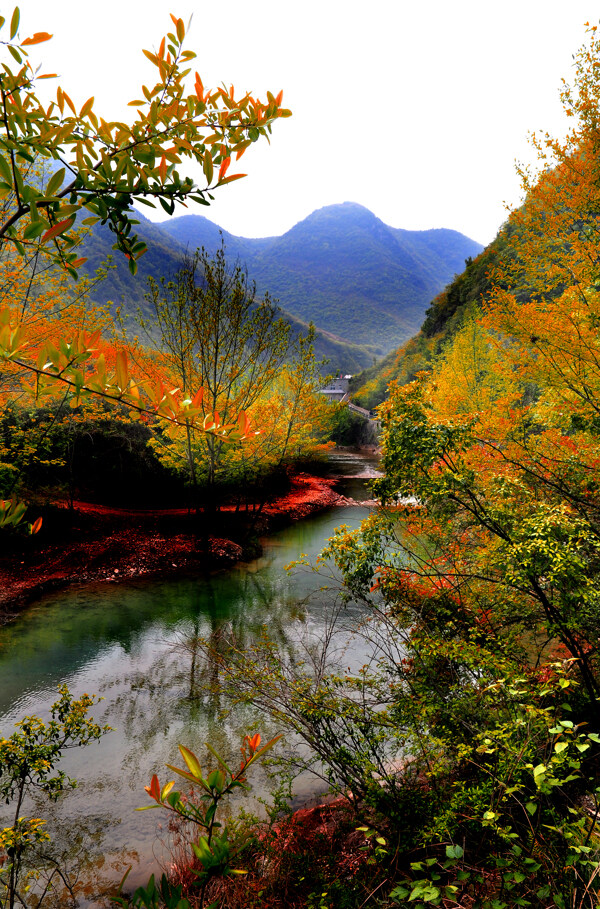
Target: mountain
<point x="357" y="278"/>
<point x="365" y="285"/>
<point x="443" y="318"/>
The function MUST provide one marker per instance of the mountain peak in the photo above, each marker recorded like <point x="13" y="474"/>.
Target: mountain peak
<point x="340" y="211"/>
<point x="358" y="279"/>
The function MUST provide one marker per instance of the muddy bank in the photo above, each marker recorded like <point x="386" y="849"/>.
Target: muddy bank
<point x="98" y="543"/>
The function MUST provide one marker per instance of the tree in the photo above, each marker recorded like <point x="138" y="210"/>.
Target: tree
<point x="28" y="760"/>
<point x="479" y="577"/>
<point x="99" y="169"/>
<point x="216" y="332"/>
<point x="294" y="419"/>
<point x="108" y="165"/>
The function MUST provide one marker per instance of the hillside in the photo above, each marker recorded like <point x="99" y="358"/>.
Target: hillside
<point x="442" y="320"/>
<point x="356" y="277"/>
<point x="365" y="285"/>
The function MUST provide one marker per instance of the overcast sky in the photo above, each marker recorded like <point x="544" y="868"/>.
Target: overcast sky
<point x="416" y="110"/>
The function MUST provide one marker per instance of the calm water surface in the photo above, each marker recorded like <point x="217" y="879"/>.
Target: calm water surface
<point x="132" y="645"/>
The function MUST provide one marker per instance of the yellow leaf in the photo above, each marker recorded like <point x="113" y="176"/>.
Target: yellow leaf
<point x="85" y="110"/>
<point x="122" y="369"/>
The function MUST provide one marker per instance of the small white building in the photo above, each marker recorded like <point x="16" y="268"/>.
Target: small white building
<point x="337" y="388"/>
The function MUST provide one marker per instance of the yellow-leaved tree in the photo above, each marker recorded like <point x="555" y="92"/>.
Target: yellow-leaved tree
<point x="480" y="575"/>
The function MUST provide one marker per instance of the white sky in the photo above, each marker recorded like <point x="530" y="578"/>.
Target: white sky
<point x="416" y="110"/>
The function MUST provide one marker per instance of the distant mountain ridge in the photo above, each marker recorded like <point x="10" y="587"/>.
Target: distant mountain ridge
<point x="361" y="282"/>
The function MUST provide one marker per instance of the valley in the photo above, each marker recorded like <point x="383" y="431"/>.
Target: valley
<point x="364" y="285"/>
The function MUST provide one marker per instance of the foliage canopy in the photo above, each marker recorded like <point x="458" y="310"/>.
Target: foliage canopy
<point x="474" y="732"/>
<point x="99" y="168"/>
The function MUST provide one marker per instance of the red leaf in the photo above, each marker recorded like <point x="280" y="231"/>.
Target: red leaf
<point x="59" y="228"/>
<point x="223" y="168"/>
<point x="153" y="789"/>
<point x="162" y="169"/>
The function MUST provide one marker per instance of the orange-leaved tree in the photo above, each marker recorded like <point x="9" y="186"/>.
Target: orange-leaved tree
<point x="480" y="577"/>
<point x="102" y="167"/>
<point x="58" y="163"/>
<point x="500" y="442"/>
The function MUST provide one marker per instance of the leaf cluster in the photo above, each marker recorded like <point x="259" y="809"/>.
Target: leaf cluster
<point x="103" y="166"/>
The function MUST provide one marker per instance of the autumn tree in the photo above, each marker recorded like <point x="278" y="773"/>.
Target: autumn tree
<point x="499" y="444"/>
<point x="97" y="169"/>
<point x="104" y="166"/>
<point x="479" y="576"/>
<point x="214" y="331"/>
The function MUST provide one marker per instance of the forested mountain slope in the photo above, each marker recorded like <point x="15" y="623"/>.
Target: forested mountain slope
<point x="356" y="277"/>
<point x="362" y="283"/>
<point x="443" y="318"/>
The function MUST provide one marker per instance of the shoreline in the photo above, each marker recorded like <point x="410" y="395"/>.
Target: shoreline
<point x="105" y="544"/>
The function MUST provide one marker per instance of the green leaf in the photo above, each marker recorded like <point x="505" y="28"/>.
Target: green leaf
<point x="34" y="229"/>
<point x="15" y="53"/>
<point x="219" y="758"/>
<point x="202" y="850"/>
<point x="216" y="779"/>
<point x="5" y="171"/>
<point x="145" y="154"/>
<point x="167" y="204"/>
<point x="454" y="852"/>
<point x="207" y="166"/>
<point x="14" y="22"/>
<point x="55" y="181"/>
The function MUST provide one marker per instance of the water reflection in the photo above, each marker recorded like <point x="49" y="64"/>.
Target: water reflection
<point x="136" y="646"/>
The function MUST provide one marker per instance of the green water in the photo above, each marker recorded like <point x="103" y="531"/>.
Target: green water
<point x="133" y="645"/>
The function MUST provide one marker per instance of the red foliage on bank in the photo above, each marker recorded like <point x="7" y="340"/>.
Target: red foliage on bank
<point x="95" y="543"/>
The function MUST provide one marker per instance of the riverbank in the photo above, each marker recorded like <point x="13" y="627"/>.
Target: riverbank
<point x="97" y="543"/>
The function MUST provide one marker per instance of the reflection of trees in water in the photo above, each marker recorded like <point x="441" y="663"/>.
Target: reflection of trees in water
<point x="180" y="687"/>
<point x="77" y="859"/>
<point x="264" y="602"/>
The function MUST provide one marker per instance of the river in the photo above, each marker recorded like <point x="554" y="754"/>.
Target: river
<point x="133" y="645"/>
